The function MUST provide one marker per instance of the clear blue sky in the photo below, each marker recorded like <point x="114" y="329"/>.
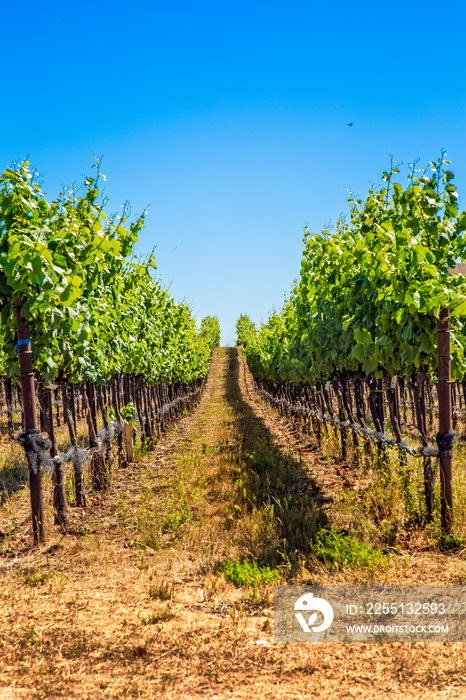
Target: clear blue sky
<point x="229" y="118"/>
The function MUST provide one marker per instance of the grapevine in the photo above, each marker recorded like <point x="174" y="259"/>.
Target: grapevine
<point x="359" y="325"/>
<point x="82" y="312"/>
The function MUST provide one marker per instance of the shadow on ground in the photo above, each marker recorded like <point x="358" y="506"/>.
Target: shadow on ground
<point x="273" y="482"/>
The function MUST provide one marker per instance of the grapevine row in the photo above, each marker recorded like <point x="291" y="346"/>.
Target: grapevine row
<point x="79" y="309"/>
<point x="361" y="321"/>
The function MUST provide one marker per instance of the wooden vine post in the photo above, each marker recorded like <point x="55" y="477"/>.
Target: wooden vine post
<point x="31" y="429"/>
<point x="128" y="426"/>
<point x="446" y="434"/>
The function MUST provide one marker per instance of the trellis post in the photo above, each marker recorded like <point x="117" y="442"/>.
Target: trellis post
<point x="446" y="434"/>
<point x="28" y="391"/>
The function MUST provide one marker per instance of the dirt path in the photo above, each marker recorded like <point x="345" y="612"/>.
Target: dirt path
<point x="130" y="603"/>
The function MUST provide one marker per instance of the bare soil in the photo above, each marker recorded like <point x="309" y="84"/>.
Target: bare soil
<point x="129" y="601"/>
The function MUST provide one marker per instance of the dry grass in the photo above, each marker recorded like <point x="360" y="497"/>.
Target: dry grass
<point x="130" y="602"/>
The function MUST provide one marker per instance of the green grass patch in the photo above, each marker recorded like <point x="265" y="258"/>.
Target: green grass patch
<point x="337" y="550"/>
<point x="247" y="573"/>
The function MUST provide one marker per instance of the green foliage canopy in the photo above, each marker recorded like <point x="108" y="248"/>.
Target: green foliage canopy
<point x="93" y="311"/>
<point x="372" y="287"/>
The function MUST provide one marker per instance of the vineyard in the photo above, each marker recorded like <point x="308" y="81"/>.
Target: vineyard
<point x="352" y="359"/>
<point x="154" y="486"/>
<point x="354" y="348"/>
<point x="90" y="331"/>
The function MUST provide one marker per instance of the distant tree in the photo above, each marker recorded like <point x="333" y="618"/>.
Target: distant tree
<point x="245" y="330"/>
<point x="210" y="330"/>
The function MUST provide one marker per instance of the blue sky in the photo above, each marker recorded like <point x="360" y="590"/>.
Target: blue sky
<point x="229" y="119"/>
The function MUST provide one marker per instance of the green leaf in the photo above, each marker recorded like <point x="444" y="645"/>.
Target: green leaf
<point x="359" y="352"/>
<point x="362" y="335"/>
